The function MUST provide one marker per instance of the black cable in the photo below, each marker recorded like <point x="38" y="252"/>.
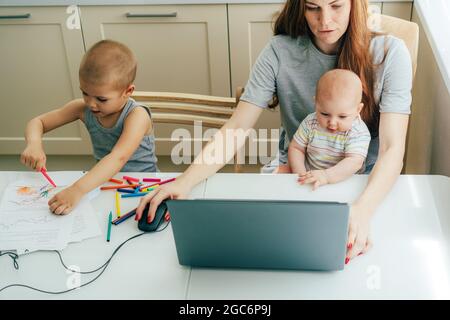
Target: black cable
<point x="104" y="266"/>
<point x="13" y="256"/>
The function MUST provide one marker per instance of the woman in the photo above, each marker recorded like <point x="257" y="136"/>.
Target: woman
<point x="312" y="37"/>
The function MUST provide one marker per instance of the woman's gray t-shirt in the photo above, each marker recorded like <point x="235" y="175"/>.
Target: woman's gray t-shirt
<point x="104" y="139"/>
<point x="292" y="67"/>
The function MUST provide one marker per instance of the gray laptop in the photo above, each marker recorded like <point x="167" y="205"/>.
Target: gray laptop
<point x="269" y="234"/>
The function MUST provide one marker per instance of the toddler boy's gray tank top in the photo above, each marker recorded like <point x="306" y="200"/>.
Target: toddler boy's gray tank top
<point x="104" y="139"/>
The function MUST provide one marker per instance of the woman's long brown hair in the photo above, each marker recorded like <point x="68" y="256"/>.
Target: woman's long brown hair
<point x="353" y="53"/>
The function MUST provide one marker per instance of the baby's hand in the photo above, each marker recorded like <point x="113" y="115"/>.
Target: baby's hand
<point x="64" y="201"/>
<point x="316" y="177"/>
<point x="34" y="157"/>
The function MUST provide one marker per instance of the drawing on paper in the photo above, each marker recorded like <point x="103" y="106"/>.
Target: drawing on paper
<point x="26" y="222"/>
<point x="27" y="196"/>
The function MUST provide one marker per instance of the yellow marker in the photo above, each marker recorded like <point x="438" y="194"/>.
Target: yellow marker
<point x="117" y="205"/>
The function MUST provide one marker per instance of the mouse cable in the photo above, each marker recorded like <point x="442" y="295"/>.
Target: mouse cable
<point x="14" y="256"/>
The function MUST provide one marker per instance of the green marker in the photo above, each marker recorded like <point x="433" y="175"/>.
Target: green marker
<point x="108" y="236"/>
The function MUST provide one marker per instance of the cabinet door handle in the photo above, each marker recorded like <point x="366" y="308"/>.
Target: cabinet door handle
<point x="17" y="16"/>
<point x="151" y="15"/>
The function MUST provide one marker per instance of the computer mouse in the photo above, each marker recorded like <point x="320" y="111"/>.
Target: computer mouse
<point x="159" y="216"/>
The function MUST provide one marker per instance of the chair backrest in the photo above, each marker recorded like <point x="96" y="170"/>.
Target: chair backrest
<point x="182" y="108"/>
<point x="407" y="31"/>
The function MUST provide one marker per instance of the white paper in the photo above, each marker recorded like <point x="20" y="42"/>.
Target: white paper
<point x="35" y="229"/>
<point x="25" y="196"/>
<point x="26" y="223"/>
<point x="85" y="224"/>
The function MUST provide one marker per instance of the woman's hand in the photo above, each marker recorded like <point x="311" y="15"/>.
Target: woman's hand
<point x="316" y="177"/>
<point x="64" y="201"/>
<point x="358" y="233"/>
<point x="34" y="157"/>
<point x="177" y="189"/>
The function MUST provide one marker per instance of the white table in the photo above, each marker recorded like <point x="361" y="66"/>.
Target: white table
<point x="144" y="268"/>
<point x="409" y="260"/>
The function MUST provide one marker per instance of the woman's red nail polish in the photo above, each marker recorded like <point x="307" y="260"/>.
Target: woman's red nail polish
<point x="347" y="260"/>
<point x="349" y="246"/>
<point x="360" y="253"/>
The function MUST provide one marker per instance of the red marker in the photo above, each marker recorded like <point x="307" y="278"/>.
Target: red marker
<point x="151" y="180"/>
<point x="44" y="172"/>
<point x="166" y="181"/>
<point x="157" y="183"/>
<point x="119" y="186"/>
<point x="130" y="178"/>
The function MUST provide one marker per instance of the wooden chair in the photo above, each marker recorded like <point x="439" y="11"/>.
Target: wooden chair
<point x="182" y="108"/>
<point x="407" y="31"/>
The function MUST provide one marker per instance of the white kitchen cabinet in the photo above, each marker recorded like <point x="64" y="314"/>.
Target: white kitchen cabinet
<point x="40" y="50"/>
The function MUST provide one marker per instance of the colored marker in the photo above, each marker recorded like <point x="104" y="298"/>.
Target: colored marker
<point x="125" y="190"/>
<point x="108" y="235"/>
<point x="124" y="217"/>
<point x="158" y="183"/>
<point x="115" y="181"/>
<point x="167" y="181"/>
<point x="131" y="195"/>
<point x="44" y="172"/>
<point x="119" y="186"/>
<point x="148" y="189"/>
<point x="131" y="178"/>
<point x="117" y="205"/>
<point x="151" y="180"/>
<point x="150" y="186"/>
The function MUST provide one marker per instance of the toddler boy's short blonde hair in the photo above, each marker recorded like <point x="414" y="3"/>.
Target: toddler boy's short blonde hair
<point x="109" y="62"/>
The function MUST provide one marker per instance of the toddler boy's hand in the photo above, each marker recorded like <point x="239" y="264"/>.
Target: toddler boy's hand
<point x="33" y="157"/>
<point x="64" y="201"/>
<point x="316" y="177"/>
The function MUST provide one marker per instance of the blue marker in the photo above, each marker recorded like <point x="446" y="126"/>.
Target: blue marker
<point x="125" y="190"/>
<point x="130" y="195"/>
<point x="124" y="217"/>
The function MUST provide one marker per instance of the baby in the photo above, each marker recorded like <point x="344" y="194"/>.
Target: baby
<point x="331" y="144"/>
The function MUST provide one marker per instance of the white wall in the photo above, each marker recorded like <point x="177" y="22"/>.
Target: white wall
<point x="429" y="135"/>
